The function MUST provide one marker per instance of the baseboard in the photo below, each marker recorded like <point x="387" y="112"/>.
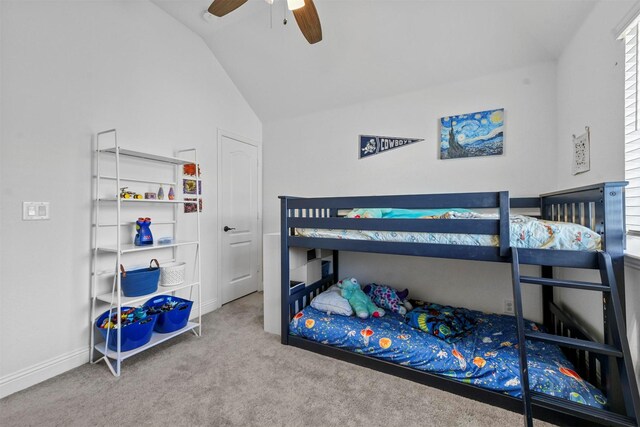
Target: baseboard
<point x="207" y="307"/>
<point x="39" y="372"/>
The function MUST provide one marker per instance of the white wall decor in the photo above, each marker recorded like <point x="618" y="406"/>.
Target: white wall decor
<point x="581" y="152"/>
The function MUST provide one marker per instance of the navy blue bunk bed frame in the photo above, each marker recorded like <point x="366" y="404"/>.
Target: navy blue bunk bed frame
<point x="599" y="207"/>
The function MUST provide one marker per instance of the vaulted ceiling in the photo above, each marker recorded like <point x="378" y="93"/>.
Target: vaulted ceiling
<point x="375" y="48"/>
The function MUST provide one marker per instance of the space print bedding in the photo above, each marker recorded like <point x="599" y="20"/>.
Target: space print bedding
<point x="487" y="356"/>
<point x="525" y="232"/>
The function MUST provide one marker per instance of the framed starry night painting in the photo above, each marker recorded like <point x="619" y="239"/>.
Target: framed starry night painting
<point x="472" y="135"/>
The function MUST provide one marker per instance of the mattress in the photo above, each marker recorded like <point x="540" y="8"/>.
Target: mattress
<point x="487" y="358"/>
<point x="525" y="232"/>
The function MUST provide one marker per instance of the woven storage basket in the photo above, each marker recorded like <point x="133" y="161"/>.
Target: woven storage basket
<point x="172" y="274"/>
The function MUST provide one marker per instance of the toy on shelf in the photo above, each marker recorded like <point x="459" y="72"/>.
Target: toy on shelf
<point x="165" y="240"/>
<point x="127" y="317"/>
<point x="124" y="194"/>
<point x="143" y="236"/>
<point x="160" y="193"/>
<point x="150" y="196"/>
<point x="172" y="195"/>
<point x="167" y="306"/>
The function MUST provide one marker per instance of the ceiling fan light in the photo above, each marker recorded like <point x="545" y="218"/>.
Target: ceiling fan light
<point x="295" y="4"/>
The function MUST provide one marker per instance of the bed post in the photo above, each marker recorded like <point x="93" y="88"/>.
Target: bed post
<point x="284" y="270"/>
<point x="614" y="232"/>
<point x="336" y="271"/>
<point x="548" y="319"/>
<point x="614" y="242"/>
<point x="505" y="236"/>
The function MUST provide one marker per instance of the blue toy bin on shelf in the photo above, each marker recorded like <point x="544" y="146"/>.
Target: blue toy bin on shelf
<point x="176" y="318"/>
<point x="134" y="335"/>
<point x="140" y="282"/>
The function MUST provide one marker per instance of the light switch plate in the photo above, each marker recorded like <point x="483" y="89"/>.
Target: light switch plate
<point x="34" y="211"/>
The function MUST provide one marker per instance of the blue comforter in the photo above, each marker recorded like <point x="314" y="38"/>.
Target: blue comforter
<point x="487" y="358"/>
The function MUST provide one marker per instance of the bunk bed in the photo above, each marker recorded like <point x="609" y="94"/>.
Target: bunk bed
<point x="605" y="366"/>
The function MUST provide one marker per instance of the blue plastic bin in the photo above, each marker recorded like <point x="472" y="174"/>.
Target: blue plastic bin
<point x="143" y="281"/>
<point x="170" y="321"/>
<point x="134" y="335"/>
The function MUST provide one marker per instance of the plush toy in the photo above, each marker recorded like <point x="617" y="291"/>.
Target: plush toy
<point x="389" y="298"/>
<point x="361" y="303"/>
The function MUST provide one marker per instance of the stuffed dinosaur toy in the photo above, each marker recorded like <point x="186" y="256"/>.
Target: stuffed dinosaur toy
<point x="387" y="297"/>
<point x="359" y="301"/>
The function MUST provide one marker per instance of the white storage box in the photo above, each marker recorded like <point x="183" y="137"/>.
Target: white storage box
<point x="309" y="273"/>
<point x="298" y="257"/>
<point x="172" y="273"/>
<point x="271" y="277"/>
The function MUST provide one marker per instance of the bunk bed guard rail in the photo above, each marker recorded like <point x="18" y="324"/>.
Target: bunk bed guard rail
<point x="322" y="212"/>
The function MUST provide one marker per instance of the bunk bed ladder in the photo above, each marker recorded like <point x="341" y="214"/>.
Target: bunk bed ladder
<point x="619" y="349"/>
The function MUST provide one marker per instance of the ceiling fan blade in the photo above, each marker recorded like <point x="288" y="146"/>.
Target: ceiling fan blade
<point x="222" y="7"/>
<point x="309" y="22"/>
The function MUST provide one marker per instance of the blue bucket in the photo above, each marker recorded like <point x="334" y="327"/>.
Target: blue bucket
<point x="176" y="318"/>
<point x="134" y="335"/>
<point x="140" y="282"/>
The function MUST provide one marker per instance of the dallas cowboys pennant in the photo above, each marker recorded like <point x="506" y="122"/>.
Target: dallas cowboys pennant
<point x="371" y="145"/>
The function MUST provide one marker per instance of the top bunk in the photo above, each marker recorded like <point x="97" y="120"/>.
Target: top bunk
<point x="322" y="222"/>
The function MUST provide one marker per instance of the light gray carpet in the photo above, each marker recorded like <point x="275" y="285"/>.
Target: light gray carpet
<point x="236" y="374"/>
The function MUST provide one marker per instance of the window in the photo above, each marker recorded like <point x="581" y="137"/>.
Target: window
<point x="632" y="127"/>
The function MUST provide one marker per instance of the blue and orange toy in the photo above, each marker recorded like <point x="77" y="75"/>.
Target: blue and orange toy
<point x="143" y="236"/>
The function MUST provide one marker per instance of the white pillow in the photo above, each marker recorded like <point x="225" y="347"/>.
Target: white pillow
<point x="330" y="301"/>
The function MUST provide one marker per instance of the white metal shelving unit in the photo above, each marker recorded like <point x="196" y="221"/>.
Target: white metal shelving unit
<point x="114" y="299"/>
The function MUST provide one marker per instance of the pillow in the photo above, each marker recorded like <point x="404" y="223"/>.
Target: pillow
<point x="450" y="324"/>
<point x="330" y="301"/>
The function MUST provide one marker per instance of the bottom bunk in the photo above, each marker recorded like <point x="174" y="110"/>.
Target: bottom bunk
<point x="482" y="365"/>
<point x="487" y="357"/>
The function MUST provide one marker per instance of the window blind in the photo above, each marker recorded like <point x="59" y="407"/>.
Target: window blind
<point x="632" y="130"/>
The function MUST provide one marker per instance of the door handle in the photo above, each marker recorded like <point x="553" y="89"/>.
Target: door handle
<point x="227" y="228"/>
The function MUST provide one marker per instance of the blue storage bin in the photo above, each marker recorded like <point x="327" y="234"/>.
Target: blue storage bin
<point x="143" y="281"/>
<point x="326" y="265"/>
<point x="134" y="335"/>
<point x="170" y="321"/>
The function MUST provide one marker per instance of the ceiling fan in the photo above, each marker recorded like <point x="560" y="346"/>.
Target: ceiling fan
<point x="304" y="11"/>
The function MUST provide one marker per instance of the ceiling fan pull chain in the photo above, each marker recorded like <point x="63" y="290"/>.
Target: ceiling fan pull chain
<point x="284" y="12"/>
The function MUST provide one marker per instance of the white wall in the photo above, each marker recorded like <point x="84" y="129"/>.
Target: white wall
<point x="70" y="69"/>
<point x="316" y="155"/>
<point x="591" y="93"/>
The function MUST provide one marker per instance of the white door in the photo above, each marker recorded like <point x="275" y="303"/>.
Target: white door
<point x="238" y="218"/>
